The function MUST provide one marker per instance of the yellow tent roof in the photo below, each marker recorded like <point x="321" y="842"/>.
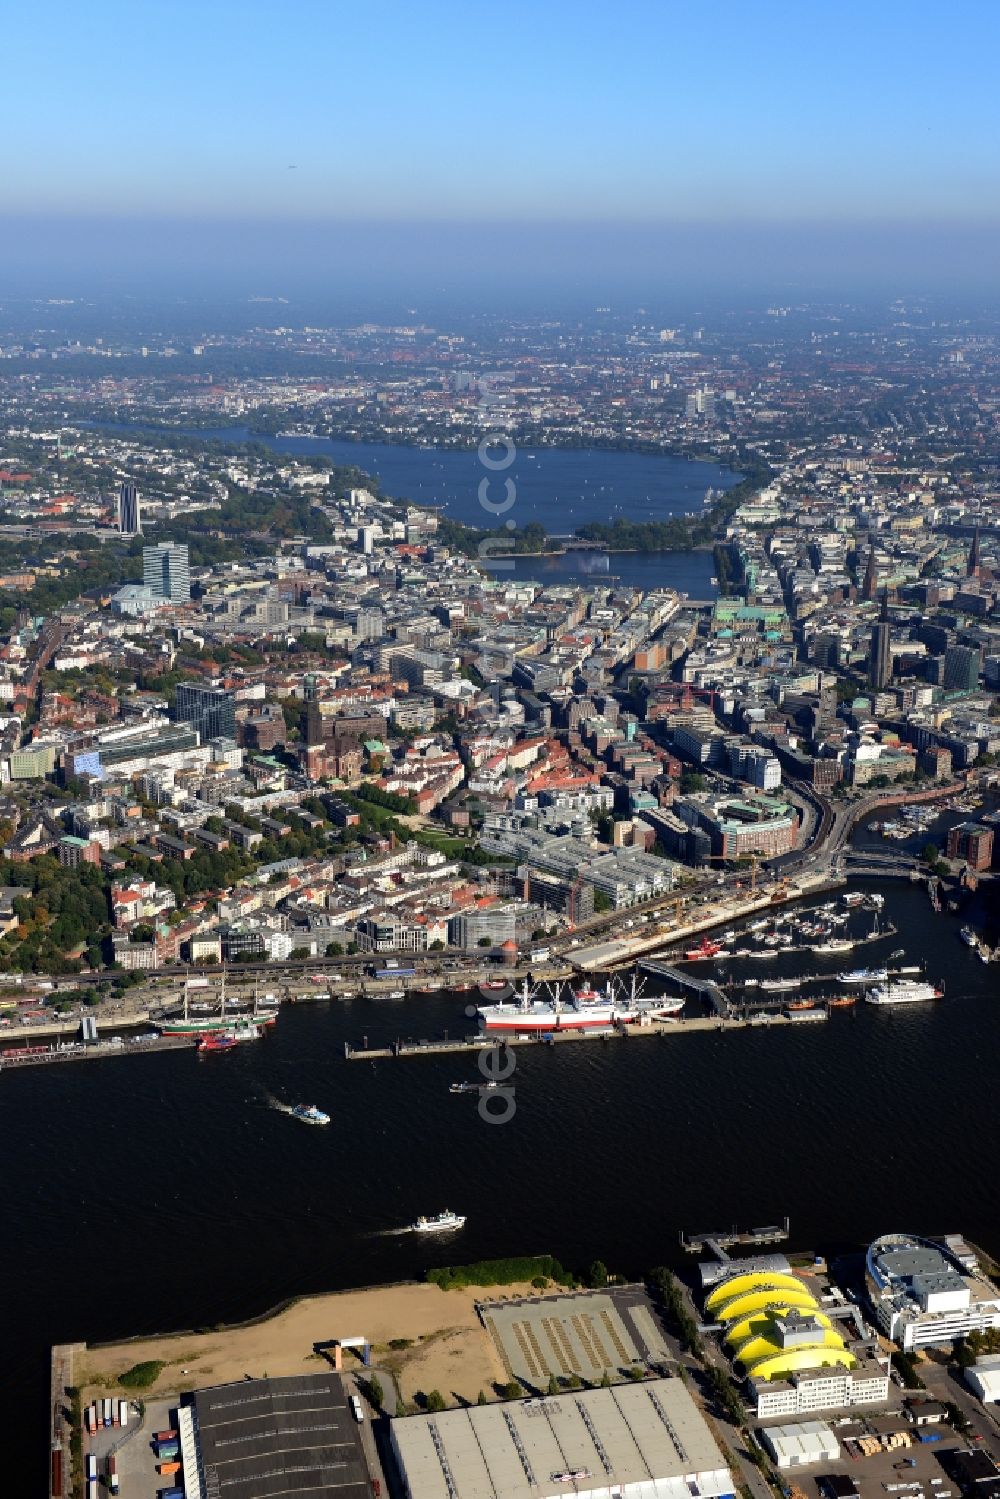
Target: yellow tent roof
<point x="759" y="1322"/>
<point x="766" y="1299"/>
<point x="764" y="1348"/>
<point x="777" y="1365"/>
<point x="751" y="1280"/>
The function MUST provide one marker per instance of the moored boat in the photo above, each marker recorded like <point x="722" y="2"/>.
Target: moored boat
<point x="902" y="992"/>
<point x="705" y="949"/>
<point x="217" y="1041"/>
<point x="222" y="1019"/>
<point x="525" y="1014"/>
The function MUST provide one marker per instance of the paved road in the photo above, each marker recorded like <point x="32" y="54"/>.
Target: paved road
<point x="944" y="1383"/>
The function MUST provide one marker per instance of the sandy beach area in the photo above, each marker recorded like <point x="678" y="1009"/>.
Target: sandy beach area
<point x="450" y="1350"/>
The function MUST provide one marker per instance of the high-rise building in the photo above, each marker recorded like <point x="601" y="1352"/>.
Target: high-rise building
<point x="129" y="521"/>
<point x="869" y="586"/>
<point x="166" y="570"/>
<point x="880" y="655"/>
<point x="210" y="710"/>
<point x="962" y="664"/>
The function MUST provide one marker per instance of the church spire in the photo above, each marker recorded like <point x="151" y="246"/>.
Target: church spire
<point x="972" y="568"/>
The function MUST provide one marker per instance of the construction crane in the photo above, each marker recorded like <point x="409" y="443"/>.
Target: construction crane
<point x="725" y="859"/>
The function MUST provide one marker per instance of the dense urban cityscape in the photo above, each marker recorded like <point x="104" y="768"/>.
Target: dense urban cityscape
<point x="500" y="751"/>
<point x="274" y="733"/>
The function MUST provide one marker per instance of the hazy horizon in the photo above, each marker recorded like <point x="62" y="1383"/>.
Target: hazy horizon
<point x="496" y="265"/>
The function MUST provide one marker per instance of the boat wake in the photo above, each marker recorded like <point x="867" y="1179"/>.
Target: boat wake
<point x="276" y="1103"/>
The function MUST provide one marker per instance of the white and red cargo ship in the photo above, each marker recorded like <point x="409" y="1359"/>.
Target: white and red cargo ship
<point x="582" y="1010"/>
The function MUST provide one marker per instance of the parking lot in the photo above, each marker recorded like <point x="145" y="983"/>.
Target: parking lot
<point x="133" y="1447"/>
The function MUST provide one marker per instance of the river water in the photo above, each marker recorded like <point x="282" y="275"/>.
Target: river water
<point x="166" y="1191"/>
<point x="689" y="572"/>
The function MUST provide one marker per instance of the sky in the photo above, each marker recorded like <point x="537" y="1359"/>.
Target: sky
<point x="363" y="137"/>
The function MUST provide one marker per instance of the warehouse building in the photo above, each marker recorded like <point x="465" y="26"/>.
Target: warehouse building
<point x="276" y="1436"/>
<point x="638" y="1441"/>
<point x="983" y="1378"/>
<point x="801" y="1443"/>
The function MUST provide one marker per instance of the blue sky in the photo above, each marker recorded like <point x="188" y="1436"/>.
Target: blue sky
<point x="573" y="143"/>
<point x="819" y="109"/>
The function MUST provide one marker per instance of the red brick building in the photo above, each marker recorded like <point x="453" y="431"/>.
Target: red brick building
<point x="972" y="842"/>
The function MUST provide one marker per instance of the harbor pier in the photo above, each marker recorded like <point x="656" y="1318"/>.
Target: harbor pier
<point x="720" y="1242"/>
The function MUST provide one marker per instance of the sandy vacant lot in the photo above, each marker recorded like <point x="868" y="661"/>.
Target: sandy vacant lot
<point x="451" y="1351"/>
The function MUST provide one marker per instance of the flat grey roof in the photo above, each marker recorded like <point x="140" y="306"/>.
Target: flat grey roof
<point x="262" y="1438"/>
<point x="904" y="1263"/>
<point x="649" y="1433"/>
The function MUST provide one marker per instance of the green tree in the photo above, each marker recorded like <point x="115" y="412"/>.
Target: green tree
<point x="435" y="1401"/>
<point x="375" y="1392"/>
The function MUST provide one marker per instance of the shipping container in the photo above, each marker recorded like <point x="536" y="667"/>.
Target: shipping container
<point x="171" y="1467"/>
<point x="123" y="1413"/>
<point x="165" y="1436"/>
<point x="171" y="1494"/>
<point x="112" y="1471"/>
<point x="93" y="1491"/>
<point x="106" y="1404"/>
<point x="57" y="1473"/>
<point x="91" y="1466"/>
<point x="929" y="1436"/>
<point x="91" y="1421"/>
<point x="168" y="1452"/>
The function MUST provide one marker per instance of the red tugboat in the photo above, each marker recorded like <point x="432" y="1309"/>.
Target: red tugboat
<point x="217" y="1041"/>
<point x="706" y="949"/>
